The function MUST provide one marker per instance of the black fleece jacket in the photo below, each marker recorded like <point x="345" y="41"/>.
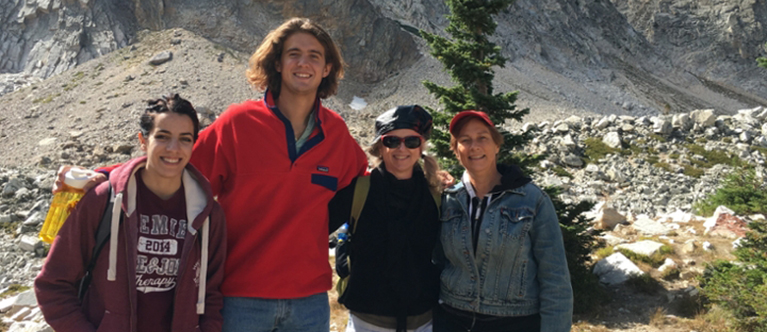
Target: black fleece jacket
<point x="391" y="249"/>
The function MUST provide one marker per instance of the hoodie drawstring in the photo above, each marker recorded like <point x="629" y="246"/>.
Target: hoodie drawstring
<point x="203" y="267"/>
<point x="116" y="210"/>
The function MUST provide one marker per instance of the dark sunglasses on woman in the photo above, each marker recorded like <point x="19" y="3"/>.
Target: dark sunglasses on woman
<point x="393" y="142"/>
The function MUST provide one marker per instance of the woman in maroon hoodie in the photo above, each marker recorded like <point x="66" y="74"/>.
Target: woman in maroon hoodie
<point x="163" y="265"/>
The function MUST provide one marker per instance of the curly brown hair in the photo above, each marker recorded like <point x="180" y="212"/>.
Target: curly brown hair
<point x="262" y="72"/>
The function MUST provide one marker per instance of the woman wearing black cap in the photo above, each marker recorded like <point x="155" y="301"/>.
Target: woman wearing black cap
<point x="505" y="266"/>
<point x="393" y="284"/>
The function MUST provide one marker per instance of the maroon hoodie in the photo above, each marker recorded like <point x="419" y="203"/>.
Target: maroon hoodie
<point x="110" y="305"/>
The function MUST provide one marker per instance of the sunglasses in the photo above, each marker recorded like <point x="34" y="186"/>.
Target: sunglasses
<point x="393" y="142"/>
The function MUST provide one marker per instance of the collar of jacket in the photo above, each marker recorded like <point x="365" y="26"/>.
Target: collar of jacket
<point x="199" y="198"/>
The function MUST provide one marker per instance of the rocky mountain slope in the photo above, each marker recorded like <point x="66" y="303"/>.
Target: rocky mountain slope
<point x="586" y="56"/>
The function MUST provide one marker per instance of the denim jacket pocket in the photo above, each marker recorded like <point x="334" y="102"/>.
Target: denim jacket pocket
<point x="516" y="222"/>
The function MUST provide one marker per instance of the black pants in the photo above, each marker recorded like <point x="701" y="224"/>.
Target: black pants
<point x="449" y="319"/>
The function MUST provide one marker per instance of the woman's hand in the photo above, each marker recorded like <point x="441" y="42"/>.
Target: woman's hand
<point x="92" y="182"/>
<point x="446" y="179"/>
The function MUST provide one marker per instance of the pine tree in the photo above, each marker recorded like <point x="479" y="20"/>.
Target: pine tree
<point x="469" y="58"/>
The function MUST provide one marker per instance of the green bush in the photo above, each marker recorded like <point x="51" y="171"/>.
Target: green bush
<point x="693" y="171"/>
<point x="579" y="244"/>
<point x="741" y="191"/>
<point x="741" y="286"/>
<point x="663" y="165"/>
<point x="713" y="157"/>
<point x="596" y="149"/>
<point x="657" y="137"/>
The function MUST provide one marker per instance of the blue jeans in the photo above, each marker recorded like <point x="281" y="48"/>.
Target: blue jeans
<point x="246" y="314"/>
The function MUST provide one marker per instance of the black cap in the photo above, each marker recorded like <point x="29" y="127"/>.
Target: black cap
<point x="404" y="117"/>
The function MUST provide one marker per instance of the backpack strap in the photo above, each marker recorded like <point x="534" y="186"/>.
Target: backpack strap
<point x="103" y="233"/>
<point x="361" y="189"/>
<point x="437" y="200"/>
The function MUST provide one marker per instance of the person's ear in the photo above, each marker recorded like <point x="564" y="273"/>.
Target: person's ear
<point x="326" y="72"/>
<point x="142" y="141"/>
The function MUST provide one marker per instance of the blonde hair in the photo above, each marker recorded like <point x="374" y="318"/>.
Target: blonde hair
<point x="430" y="166"/>
<point x="262" y="72"/>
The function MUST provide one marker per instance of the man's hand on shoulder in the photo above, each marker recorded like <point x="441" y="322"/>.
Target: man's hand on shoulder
<point x="92" y="182"/>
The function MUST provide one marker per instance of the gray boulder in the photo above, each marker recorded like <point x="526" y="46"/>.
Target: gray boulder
<point x="603" y="123"/>
<point x="682" y="121"/>
<point x="613" y="140"/>
<point x="646" y="225"/>
<point x="30" y="243"/>
<point x="704" y="118"/>
<point x="572" y="160"/>
<point x="644" y="248"/>
<point x="661" y="126"/>
<point x="161" y="58"/>
<point x="616" y="269"/>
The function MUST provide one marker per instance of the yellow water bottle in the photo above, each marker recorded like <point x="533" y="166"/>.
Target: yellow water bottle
<point x="64" y="201"/>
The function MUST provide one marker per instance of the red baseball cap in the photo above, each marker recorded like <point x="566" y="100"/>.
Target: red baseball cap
<point x="471" y="113"/>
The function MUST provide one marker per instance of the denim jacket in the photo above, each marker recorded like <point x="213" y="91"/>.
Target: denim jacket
<point x="520" y="266"/>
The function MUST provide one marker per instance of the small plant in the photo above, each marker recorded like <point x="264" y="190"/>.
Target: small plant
<point x="14" y="289"/>
<point x="701" y="140"/>
<point x="673" y="156"/>
<point x="596" y="149"/>
<point x="655" y="260"/>
<point x="715" y="320"/>
<point x="663" y="165"/>
<point x="727" y="139"/>
<point x="561" y="171"/>
<point x="634" y="149"/>
<point x="670" y="274"/>
<point x="689" y="305"/>
<point x="657" y="137"/>
<point x="659" y="317"/>
<point x="693" y="171"/>
<point x="604" y="252"/>
<point x="10" y="227"/>
<point x="46" y="99"/>
<point x="712" y="157"/>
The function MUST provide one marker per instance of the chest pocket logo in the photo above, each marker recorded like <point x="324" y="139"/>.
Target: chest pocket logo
<point x="327" y="181"/>
<point x="516" y="222"/>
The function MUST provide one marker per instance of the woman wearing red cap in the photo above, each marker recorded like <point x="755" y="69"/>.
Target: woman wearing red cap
<point x="392" y="283"/>
<point x="505" y="266"/>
